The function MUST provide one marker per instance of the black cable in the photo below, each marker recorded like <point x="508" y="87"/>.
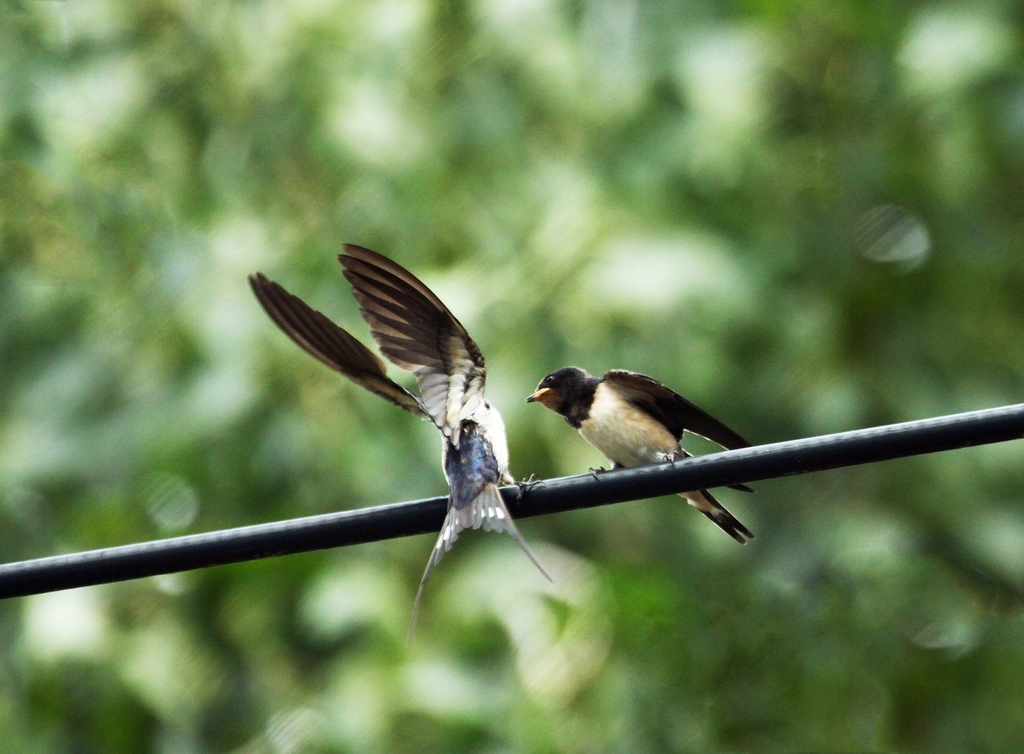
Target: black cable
<point x="550" y="496"/>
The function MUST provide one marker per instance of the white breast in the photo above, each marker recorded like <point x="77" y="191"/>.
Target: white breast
<point x="625" y="434"/>
<point x="491" y="423"/>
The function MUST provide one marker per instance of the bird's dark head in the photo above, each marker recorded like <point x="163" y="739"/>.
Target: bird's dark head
<point x="564" y="389"/>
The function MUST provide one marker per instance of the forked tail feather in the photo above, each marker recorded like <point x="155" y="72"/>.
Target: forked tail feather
<point x="487" y="512"/>
<point x="706" y="503"/>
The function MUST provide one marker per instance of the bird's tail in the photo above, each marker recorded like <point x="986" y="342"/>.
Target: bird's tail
<point x="706" y="503"/>
<point x="487" y="511"/>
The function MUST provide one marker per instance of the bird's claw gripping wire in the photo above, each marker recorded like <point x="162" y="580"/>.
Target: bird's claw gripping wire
<point x="526" y="485"/>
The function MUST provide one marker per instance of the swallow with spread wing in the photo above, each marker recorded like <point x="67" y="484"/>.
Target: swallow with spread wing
<point x="635" y="420"/>
<point x="416" y="332"/>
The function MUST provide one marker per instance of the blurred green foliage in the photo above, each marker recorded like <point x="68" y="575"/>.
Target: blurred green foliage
<point x="806" y="217"/>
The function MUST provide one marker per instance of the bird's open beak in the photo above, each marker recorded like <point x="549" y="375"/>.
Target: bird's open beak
<point x="537" y="396"/>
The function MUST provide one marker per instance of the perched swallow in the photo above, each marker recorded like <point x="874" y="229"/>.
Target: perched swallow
<point x="635" y="420"/>
<point x="416" y="332"/>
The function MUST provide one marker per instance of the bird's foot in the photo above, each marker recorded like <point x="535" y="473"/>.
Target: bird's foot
<point x="526" y="485"/>
<point x="594" y="472"/>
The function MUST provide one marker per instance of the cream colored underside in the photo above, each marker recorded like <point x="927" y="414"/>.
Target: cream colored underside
<point x="624" y="433"/>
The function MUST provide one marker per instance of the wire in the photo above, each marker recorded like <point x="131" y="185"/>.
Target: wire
<point x="541" y="498"/>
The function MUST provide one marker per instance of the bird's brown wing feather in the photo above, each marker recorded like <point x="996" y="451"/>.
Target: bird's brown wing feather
<point x="333" y="346"/>
<point x="673" y="410"/>
<point x="417" y="332"/>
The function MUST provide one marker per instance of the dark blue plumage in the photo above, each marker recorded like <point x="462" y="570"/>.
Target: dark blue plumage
<point x="416" y="332"/>
<point x="470" y="467"/>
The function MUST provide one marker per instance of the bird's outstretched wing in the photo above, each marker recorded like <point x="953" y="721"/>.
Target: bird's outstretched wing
<point x="336" y="348"/>
<point x="415" y="331"/>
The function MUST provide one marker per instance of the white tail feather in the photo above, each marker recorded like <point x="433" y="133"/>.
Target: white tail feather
<point x="487" y="512"/>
